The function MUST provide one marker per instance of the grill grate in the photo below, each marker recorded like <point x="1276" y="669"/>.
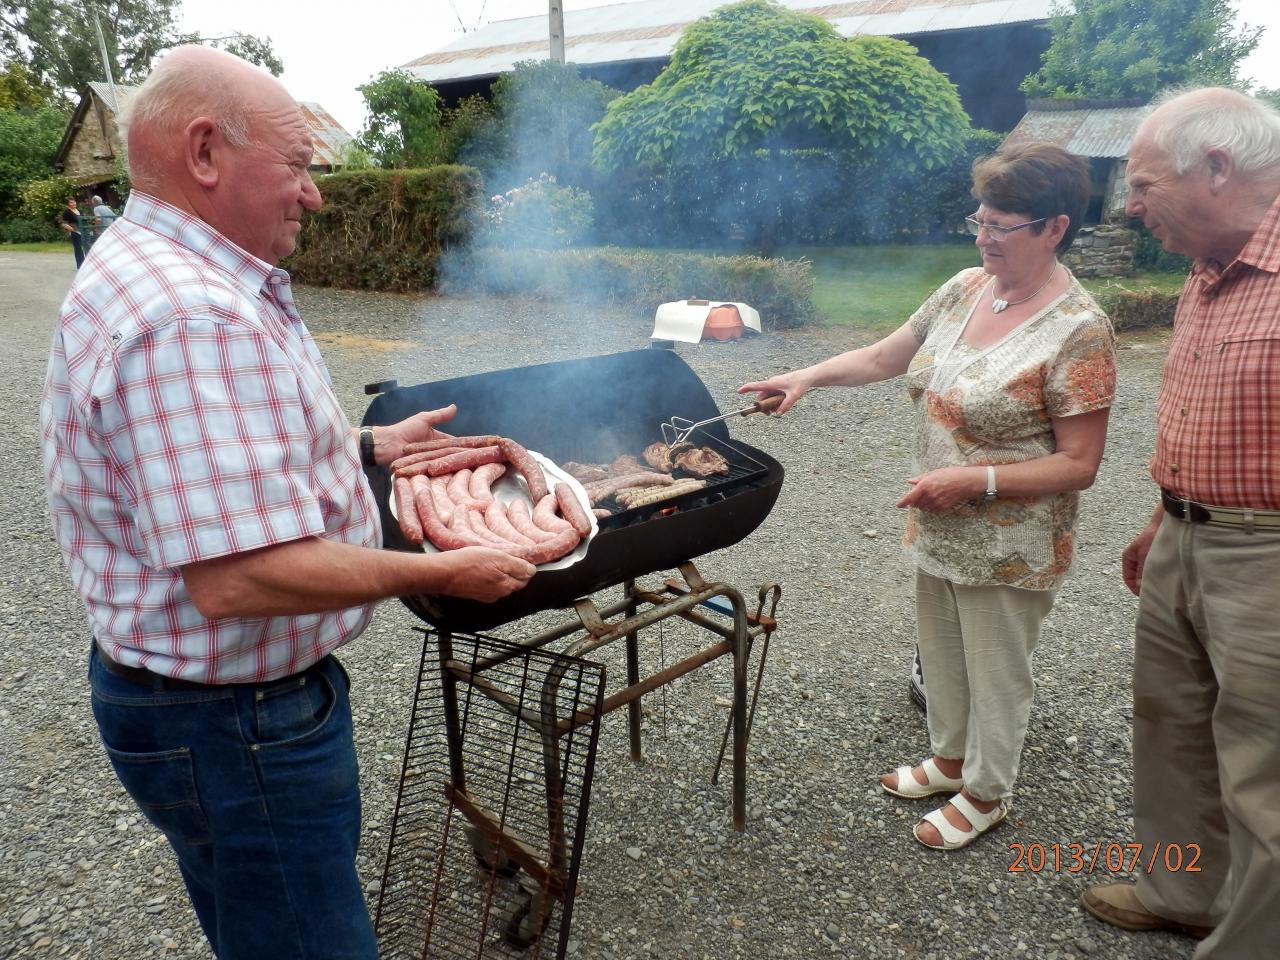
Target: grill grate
<point x="743" y="471"/>
<point x="487" y="836"/>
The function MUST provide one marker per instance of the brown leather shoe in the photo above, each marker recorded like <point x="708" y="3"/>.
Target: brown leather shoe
<point x="1118" y="905"/>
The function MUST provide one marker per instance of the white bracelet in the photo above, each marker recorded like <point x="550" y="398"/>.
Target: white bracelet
<point x="991" y="483"/>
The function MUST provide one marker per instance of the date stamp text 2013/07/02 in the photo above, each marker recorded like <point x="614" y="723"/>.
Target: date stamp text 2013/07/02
<point x="1091" y="856"/>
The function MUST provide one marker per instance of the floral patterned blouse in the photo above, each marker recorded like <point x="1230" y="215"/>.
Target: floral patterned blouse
<point x="992" y="405"/>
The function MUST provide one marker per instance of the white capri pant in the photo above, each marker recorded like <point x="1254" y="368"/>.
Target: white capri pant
<point x="975" y="649"/>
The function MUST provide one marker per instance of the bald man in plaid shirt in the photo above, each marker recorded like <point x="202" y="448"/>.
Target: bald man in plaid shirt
<point x="1204" y="176"/>
<point x="208" y="498"/>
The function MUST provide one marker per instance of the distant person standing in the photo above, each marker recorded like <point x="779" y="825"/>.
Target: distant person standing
<point x="69" y="222"/>
<point x="106" y="216"/>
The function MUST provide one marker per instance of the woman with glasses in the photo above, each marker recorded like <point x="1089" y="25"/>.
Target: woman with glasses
<point x="1011" y="370"/>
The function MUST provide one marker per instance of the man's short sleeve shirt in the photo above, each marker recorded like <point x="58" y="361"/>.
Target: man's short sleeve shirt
<point x="188" y="415"/>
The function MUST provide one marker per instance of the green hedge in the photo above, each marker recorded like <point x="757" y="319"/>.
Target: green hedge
<point x="387" y="229"/>
<point x="1139" y="309"/>
<point x="21" y="230"/>
<point x="782" y="290"/>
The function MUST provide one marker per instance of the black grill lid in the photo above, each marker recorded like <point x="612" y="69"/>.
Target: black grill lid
<point x="606" y="405"/>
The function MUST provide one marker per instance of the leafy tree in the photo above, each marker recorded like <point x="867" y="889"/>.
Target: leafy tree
<point x="56" y="40"/>
<point x="28" y="141"/>
<point x="541" y="122"/>
<point x="758" y="99"/>
<point x="467" y="128"/>
<point x="19" y="89"/>
<point x="754" y="76"/>
<point x="1269" y="95"/>
<point x="403" y="129"/>
<point x="1111" y="49"/>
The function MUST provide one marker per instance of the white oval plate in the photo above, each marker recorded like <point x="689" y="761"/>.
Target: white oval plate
<point x="511" y="485"/>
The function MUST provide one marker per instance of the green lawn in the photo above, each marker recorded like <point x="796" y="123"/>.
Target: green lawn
<point x="878" y="288"/>
<point x="51" y="246"/>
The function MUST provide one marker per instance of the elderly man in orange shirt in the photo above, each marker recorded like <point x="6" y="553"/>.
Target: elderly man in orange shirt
<point x="1204" y="176"/>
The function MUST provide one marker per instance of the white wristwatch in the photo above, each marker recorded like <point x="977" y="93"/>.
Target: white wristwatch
<point x="991" y="483"/>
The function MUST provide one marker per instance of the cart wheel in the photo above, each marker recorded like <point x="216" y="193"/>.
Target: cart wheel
<point x="490" y="857"/>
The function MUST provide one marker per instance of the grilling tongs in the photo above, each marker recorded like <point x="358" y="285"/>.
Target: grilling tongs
<point x="677" y="429"/>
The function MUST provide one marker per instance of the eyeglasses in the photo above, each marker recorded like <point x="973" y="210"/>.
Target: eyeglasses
<point x="998" y="234"/>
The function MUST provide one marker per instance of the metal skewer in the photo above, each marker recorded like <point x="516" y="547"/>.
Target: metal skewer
<point x="677" y="429"/>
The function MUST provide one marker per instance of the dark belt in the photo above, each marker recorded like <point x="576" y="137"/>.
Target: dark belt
<point x="154" y="681"/>
<point x="1193" y="512"/>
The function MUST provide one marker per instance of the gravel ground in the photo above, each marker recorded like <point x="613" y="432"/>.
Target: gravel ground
<point x="826" y="867"/>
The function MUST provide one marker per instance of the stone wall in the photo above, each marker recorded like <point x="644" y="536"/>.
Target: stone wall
<point x="90" y="155"/>
<point x="1102" y="250"/>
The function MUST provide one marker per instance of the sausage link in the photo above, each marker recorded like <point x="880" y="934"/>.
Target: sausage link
<point x="443" y="537"/>
<point x="572" y="510"/>
<point x="496" y="519"/>
<point x="467" y="459"/>
<point x="549" y="550"/>
<point x="456" y="487"/>
<point x="416" y="458"/>
<point x="424" y="445"/>
<point x="483" y="479"/>
<point x="518" y="514"/>
<point x="407" y="512"/>
<point x="529" y="468"/>
<point x="440" y="498"/>
<point x="544" y="515"/>
<point x="475" y="518"/>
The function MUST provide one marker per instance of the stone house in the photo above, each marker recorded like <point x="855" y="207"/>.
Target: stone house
<point x="1101" y="131"/>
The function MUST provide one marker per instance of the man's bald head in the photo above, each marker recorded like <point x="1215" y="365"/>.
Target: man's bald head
<point x="224" y="142"/>
<point x="189" y="83"/>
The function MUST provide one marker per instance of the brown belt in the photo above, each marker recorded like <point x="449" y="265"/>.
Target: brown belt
<point x="145" y="678"/>
<point x="1193" y="512"/>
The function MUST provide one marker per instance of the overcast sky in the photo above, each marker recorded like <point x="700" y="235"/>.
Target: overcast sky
<point x="330" y="48"/>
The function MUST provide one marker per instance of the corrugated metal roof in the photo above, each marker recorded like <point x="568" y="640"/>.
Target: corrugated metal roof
<point x="649" y="29"/>
<point x="1090" y="132"/>
<point x="327" y="135"/>
<point x="103" y="90"/>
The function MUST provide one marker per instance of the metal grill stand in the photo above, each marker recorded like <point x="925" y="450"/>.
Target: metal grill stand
<point x="539" y="721"/>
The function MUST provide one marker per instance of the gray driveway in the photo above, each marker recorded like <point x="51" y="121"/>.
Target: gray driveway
<point x="827" y="866"/>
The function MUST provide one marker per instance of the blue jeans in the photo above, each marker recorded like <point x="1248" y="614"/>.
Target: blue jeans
<point x="256" y="788"/>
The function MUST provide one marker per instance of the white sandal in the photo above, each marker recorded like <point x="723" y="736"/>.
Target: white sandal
<point x="953" y="838"/>
<point x="909" y="788"/>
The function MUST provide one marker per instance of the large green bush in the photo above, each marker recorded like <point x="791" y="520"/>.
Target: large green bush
<point x="781" y="290"/>
<point x="21" y="230"/>
<point x="387" y="229"/>
<point x="28" y="141"/>
<point x="44" y="199"/>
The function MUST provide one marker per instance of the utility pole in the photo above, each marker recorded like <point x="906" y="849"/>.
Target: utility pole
<point x="555" y="15"/>
<point x="106" y="62"/>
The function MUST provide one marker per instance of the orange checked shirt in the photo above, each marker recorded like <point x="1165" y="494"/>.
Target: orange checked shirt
<point x="1218" y="419"/>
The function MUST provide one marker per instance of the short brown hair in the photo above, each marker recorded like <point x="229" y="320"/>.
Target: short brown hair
<point x="1038" y="179"/>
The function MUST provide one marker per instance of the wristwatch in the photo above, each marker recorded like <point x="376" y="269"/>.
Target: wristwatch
<point x="366" y="447"/>
<point x="991" y="484"/>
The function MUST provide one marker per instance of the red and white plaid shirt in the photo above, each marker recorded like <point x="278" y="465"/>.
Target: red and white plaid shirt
<point x="1218" y="420"/>
<point x="188" y="415"/>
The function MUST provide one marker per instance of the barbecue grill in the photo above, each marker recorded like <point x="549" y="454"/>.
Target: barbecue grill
<point x="590" y="410"/>
<point x="478" y="718"/>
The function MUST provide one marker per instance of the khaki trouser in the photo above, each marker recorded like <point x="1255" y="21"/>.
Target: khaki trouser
<point x="1206" y="732"/>
<point x="975" y="650"/>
